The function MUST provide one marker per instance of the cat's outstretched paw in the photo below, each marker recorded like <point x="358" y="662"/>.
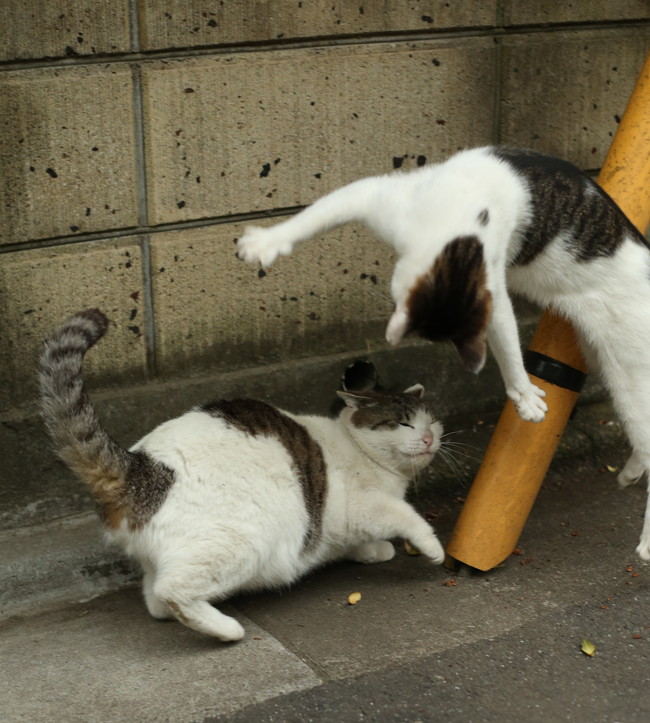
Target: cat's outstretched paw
<point x="433" y="550"/>
<point x="260" y="245"/>
<point x="529" y="402"/>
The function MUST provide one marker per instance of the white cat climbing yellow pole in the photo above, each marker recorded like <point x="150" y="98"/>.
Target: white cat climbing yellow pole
<point x="519" y="453"/>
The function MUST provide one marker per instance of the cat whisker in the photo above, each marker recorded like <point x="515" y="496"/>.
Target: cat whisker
<point x="451" y="462"/>
<point x="460" y="449"/>
<point x="415" y="476"/>
<point x="453" y="431"/>
<point x="456" y="443"/>
<point x="444" y="439"/>
<point x="451" y="453"/>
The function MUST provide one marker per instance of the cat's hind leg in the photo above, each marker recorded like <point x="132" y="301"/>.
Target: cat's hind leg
<point x="629" y="403"/>
<point x="643" y="549"/>
<point x="636" y="466"/>
<point x="157" y="608"/>
<point x="630" y="387"/>
<point x="632" y="472"/>
<point x="192" y="608"/>
<point x="371" y="552"/>
<point x="634" y="469"/>
<point x="201" y="616"/>
<point x="628" y="378"/>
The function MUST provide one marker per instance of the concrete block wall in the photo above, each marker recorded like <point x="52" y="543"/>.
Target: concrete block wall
<point x="137" y="137"/>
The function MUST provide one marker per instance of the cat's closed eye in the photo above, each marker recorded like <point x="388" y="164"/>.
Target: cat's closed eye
<point x="406" y="424"/>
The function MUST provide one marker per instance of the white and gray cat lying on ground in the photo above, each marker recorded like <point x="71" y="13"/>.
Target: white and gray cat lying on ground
<point x="492" y="219"/>
<point x="238" y="495"/>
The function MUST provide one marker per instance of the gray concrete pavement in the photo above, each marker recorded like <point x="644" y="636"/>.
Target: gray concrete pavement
<point x="423" y="643"/>
<point x="533" y="672"/>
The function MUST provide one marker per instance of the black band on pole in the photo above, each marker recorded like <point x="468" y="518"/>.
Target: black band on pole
<point x="554" y="371"/>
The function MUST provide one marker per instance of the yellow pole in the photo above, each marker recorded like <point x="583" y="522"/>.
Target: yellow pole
<point x="519" y="453"/>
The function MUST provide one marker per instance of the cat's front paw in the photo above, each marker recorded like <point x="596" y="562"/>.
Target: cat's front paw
<point x="259" y="245"/>
<point x="529" y="402"/>
<point x="433" y="550"/>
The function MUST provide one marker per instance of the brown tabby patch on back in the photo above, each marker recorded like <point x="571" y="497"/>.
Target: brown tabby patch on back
<point x="565" y="201"/>
<point x="258" y="418"/>
<point x="451" y="301"/>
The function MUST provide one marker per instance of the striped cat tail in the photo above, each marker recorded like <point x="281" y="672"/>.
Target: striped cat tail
<point x="79" y="439"/>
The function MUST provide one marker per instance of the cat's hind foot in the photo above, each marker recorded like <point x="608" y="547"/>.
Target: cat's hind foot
<point x="643" y="549"/>
<point x="159" y="609"/>
<point x="371" y="552"/>
<point x="631" y="473"/>
<point x="529" y="402"/>
<point x="204" y="618"/>
<point x="192" y="610"/>
<point x="261" y="245"/>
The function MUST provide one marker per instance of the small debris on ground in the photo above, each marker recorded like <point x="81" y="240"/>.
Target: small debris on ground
<point x="587" y="647"/>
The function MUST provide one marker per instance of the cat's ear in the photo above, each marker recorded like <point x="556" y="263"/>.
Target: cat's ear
<point x="473" y="352"/>
<point x="417" y="391"/>
<point x="357" y="400"/>
<point x="398" y="326"/>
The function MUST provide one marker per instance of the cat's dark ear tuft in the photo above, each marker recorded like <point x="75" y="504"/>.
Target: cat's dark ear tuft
<point x="357" y="400"/>
<point x="473" y="352"/>
<point x="417" y="391"/>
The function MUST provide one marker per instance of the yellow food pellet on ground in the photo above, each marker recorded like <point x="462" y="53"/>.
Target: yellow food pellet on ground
<point x="587" y="647"/>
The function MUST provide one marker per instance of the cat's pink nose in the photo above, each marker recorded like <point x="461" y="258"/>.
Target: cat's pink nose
<point x="427" y="438"/>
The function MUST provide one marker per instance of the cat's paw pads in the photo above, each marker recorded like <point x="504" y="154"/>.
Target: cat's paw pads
<point x="529" y="403"/>
<point x="258" y="245"/>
